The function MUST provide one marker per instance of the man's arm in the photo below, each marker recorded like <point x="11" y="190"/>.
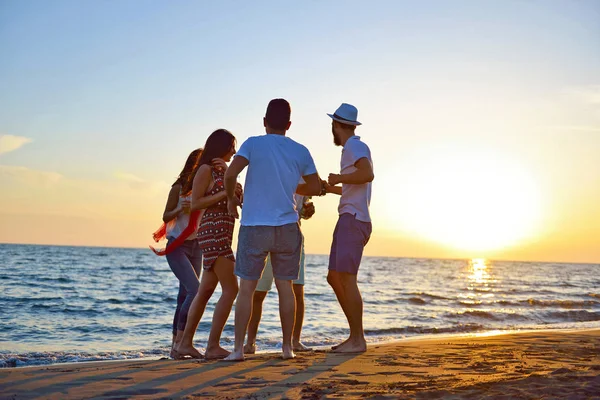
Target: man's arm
<point x="235" y="168"/>
<point x="332" y="189"/>
<point x="311" y="187"/>
<point x="363" y="174"/>
<point x="233" y="171"/>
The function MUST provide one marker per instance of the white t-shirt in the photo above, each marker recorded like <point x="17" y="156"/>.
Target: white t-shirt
<point x="355" y="198"/>
<point x="275" y="165"/>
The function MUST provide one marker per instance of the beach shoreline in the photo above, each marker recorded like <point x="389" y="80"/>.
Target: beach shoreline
<point x="322" y="347"/>
<point x="554" y="363"/>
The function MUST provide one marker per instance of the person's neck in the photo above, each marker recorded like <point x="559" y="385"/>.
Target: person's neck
<point x="275" y="132"/>
<point x="345" y="137"/>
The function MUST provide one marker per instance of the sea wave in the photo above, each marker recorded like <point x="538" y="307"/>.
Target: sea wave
<point x="70" y="310"/>
<point x="11" y="360"/>
<point x="572" y="316"/>
<point x="426" y="330"/>
<point x="26" y="299"/>
<point x="430" y="295"/>
<point x="60" y="279"/>
<point x="567" y="304"/>
<point x="561" y="303"/>
<point x="487" y="315"/>
<point x="416" y="300"/>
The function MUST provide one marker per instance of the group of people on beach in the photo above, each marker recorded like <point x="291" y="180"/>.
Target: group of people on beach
<point x="199" y="220"/>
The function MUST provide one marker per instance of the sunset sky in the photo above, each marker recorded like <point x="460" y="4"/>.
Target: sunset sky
<point x="483" y="117"/>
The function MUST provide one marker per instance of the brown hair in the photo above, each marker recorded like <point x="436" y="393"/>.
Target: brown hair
<point x="218" y="144"/>
<point x="186" y="176"/>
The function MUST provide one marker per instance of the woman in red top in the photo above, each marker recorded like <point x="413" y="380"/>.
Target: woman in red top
<point x="215" y="235"/>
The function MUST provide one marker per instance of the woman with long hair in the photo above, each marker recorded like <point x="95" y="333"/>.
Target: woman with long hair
<point x="215" y="235"/>
<point x="185" y="259"/>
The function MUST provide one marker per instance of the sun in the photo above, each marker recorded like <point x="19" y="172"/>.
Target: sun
<point x="468" y="200"/>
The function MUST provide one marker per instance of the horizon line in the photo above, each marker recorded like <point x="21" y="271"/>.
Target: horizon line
<point x="319" y="254"/>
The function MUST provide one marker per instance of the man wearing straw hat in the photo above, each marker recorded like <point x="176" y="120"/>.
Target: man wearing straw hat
<point x="353" y="228"/>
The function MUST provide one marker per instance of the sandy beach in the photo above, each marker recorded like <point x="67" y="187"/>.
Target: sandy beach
<point x="541" y="364"/>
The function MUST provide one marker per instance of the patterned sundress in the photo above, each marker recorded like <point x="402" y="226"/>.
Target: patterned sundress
<point x="215" y="233"/>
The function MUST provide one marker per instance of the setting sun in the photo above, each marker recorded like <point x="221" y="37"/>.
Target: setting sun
<point x="472" y="201"/>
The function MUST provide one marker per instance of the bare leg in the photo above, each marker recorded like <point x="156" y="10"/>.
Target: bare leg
<point x="223" y="268"/>
<point x="176" y="340"/>
<point x="287" y="314"/>
<point x="208" y="283"/>
<point x="299" y="296"/>
<point x="257" y="300"/>
<point x="173" y="353"/>
<point x="356" y="342"/>
<point x="334" y="280"/>
<point x="243" y="310"/>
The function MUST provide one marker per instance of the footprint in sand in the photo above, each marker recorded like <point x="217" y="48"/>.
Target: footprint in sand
<point x="561" y="371"/>
<point x="292" y="371"/>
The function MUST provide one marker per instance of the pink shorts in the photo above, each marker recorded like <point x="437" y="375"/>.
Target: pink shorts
<point x="349" y="240"/>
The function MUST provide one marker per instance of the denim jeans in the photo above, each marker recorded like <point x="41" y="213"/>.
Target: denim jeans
<point x="186" y="263"/>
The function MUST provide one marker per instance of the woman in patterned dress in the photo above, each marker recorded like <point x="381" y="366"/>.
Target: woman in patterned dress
<point x="215" y="235"/>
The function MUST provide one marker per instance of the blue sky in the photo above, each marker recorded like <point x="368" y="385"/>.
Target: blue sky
<point x="106" y="89"/>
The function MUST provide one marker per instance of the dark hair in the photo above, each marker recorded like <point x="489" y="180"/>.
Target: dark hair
<point x="186" y="176"/>
<point x="278" y="114"/>
<point x="218" y="144"/>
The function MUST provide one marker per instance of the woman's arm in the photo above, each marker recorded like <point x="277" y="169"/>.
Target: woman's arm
<point x="333" y="189"/>
<point x="202" y="181"/>
<point x="171" y="208"/>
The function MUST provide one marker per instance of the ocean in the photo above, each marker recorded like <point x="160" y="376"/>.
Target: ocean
<point x="68" y="304"/>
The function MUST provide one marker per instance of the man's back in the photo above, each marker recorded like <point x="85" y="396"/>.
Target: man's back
<point x="275" y="165"/>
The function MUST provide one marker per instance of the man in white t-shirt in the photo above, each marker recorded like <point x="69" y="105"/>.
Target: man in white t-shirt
<point x="306" y="209"/>
<point x="353" y="229"/>
<point x="269" y="224"/>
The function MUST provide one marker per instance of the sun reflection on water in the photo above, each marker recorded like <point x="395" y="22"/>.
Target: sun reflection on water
<point x="479" y="271"/>
<point x="480" y="280"/>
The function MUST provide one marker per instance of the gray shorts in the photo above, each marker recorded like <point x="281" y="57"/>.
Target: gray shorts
<point x="349" y="240"/>
<point x="282" y="243"/>
<point x="265" y="283"/>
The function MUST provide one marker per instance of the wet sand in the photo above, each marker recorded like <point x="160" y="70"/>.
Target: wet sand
<point x="540" y="364"/>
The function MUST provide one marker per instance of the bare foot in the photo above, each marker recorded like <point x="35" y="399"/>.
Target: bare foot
<point x="300" y="347"/>
<point x="235" y="356"/>
<point x="288" y="353"/>
<point x="250" y="348"/>
<point x="339" y="344"/>
<point x="216" y="353"/>
<point x="188" y="351"/>
<point x="175" y="355"/>
<point x="354" y="346"/>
